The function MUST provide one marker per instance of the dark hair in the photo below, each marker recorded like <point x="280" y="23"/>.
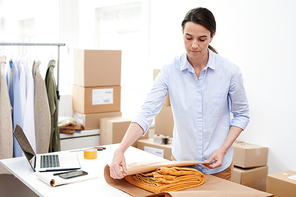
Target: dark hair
<point x="204" y="17"/>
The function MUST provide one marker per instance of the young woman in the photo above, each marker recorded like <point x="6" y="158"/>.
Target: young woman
<point x="204" y="89"/>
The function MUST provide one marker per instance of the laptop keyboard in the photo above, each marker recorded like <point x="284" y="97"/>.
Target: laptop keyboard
<point x="49" y="161"/>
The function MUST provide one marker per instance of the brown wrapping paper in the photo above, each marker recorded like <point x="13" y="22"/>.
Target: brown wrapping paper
<point x="135" y="168"/>
<point x="212" y="187"/>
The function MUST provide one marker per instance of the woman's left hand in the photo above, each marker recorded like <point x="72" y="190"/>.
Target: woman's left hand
<point x="215" y="160"/>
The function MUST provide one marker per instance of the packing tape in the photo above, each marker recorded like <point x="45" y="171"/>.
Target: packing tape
<point x="90" y="154"/>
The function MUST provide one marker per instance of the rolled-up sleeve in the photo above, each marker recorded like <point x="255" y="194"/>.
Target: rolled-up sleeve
<point x="154" y="101"/>
<point x="239" y="101"/>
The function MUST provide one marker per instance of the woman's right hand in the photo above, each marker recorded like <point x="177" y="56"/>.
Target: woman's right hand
<point x="118" y="168"/>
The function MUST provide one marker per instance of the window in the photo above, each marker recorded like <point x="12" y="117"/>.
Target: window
<point x="116" y="23"/>
<point x="21" y="21"/>
<point x="27" y="28"/>
<point x="121" y="27"/>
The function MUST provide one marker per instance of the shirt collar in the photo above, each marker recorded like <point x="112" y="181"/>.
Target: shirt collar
<point x="185" y="65"/>
<point x="212" y="60"/>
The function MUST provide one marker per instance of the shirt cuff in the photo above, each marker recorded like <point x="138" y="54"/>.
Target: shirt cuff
<point x="145" y="126"/>
<point x="240" y="122"/>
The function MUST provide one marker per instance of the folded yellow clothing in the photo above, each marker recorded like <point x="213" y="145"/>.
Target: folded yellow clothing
<point x="167" y="179"/>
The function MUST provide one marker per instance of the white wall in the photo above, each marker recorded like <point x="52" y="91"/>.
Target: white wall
<point x="259" y="36"/>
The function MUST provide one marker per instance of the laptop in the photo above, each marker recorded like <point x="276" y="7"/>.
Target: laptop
<point x="56" y="161"/>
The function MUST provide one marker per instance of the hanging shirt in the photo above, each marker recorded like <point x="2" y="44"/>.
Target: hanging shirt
<point x="14" y="95"/>
<point x="28" y="119"/>
<point x="201" y="107"/>
<point x="41" y="113"/>
<point x="9" y="79"/>
<point x="6" y="142"/>
<point x="51" y="87"/>
<point x="23" y="87"/>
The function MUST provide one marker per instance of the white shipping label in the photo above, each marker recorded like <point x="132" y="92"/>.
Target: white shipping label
<point x="78" y="118"/>
<point x="102" y="96"/>
<point x="292" y="177"/>
<point x="155" y="151"/>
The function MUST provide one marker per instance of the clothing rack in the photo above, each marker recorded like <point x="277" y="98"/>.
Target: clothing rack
<point x="40" y="44"/>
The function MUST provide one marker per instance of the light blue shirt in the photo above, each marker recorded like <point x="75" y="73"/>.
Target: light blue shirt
<point x="13" y="79"/>
<point x="201" y="107"/>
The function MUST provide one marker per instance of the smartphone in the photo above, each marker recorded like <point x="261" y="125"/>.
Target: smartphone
<point x="69" y="175"/>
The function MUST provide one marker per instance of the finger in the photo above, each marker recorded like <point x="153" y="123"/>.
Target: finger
<point x="210" y="165"/>
<point x="121" y="171"/>
<point x="214" y="164"/>
<point x="119" y="174"/>
<point x="115" y="172"/>
<point x="209" y="160"/>
<point x="124" y="168"/>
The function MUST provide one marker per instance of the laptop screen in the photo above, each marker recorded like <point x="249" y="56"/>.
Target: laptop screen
<point x="25" y="145"/>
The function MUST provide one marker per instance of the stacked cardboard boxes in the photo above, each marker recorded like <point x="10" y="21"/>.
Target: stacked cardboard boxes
<point x="164" y="121"/>
<point x="96" y="89"/>
<point x="250" y="167"/>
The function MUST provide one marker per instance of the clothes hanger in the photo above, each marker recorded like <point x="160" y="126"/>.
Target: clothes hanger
<point x="11" y="60"/>
<point x="18" y="50"/>
<point x="26" y="53"/>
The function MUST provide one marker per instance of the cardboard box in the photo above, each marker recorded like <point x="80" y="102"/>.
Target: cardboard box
<point x="113" y="130"/>
<point x="164" y="122"/>
<point x="92" y="121"/>
<point x="166" y="101"/>
<point x="100" y="99"/>
<point x="167" y="148"/>
<point x="97" y="67"/>
<point x="247" y="155"/>
<point x="252" y="177"/>
<point x="282" y="184"/>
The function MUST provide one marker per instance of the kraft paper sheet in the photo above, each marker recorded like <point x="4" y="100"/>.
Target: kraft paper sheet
<point x="54" y="181"/>
<point x="212" y="187"/>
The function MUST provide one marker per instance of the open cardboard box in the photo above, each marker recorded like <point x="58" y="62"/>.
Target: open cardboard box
<point x="212" y="187"/>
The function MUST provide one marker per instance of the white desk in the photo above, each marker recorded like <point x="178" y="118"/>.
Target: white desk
<point x="20" y="168"/>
